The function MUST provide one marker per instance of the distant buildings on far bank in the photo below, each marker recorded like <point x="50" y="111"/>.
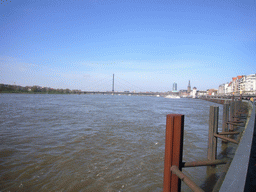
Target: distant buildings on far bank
<point x="242" y="84"/>
<point x="194" y="93"/>
<point x="186" y="93"/>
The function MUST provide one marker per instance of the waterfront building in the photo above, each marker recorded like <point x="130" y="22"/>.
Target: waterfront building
<point x="239" y="80"/>
<point x="234" y="84"/>
<point x="242" y="84"/>
<point x="201" y="93"/>
<point x="222" y="90"/>
<point x="194" y="92"/>
<point x="225" y="88"/>
<point x="229" y="88"/>
<point x="211" y="91"/>
<point x="248" y="85"/>
<point x="183" y="93"/>
<point x="234" y="87"/>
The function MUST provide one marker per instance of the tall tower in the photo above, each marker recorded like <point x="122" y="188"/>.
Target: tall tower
<point x="174" y="87"/>
<point x="113" y="83"/>
<point x="189" y="87"/>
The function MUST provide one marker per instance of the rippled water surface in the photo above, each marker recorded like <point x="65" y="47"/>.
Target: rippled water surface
<point x="94" y="142"/>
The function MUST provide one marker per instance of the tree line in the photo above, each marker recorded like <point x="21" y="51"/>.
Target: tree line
<point x="7" y="88"/>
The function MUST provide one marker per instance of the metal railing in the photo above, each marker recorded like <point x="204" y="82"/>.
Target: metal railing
<point x="174" y="148"/>
<point x="236" y="175"/>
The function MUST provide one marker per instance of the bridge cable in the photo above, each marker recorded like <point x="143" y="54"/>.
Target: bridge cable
<point x="132" y="84"/>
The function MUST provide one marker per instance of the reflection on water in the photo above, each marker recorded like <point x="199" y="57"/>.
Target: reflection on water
<point x="96" y="142"/>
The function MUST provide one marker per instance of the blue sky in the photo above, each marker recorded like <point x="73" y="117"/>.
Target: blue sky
<point x="148" y="45"/>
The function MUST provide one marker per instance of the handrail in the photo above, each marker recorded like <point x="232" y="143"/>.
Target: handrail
<point x="236" y="175"/>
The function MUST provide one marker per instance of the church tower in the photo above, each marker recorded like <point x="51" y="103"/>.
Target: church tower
<point x="189" y="87"/>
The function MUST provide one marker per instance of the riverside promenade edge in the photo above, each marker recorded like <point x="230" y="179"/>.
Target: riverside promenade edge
<point x="242" y="171"/>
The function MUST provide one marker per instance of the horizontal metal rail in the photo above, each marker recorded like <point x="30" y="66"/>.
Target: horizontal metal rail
<point x="226" y="138"/>
<point x="203" y="163"/>
<point x="234" y="122"/>
<point x="185" y="179"/>
<point x="228" y="133"/>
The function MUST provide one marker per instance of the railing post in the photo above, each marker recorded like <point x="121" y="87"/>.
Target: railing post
<point x="231" y="116"/>
<point x="213" y="129"/>
<point x="173" y="151"/>
<point x="236" y="110"/>
<point x="239" y="107"/>
<point x="225" y="119"/>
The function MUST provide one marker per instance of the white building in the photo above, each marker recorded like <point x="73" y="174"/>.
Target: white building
<point x="201" y="93"/>
<point x="223" y="89"/>
<point x="229" y="89"/>
<point x="194" y="93"/>
<point x="239" y="81"/>
<point x="245" y="84"/>
<point x="248" y="86"/>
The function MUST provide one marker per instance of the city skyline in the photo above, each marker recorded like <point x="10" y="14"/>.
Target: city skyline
<point x="78" y="44"/>
<point x="245" y="84"/>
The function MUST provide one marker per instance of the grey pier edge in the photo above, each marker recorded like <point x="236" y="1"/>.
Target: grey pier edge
<point x="235" y="178"/>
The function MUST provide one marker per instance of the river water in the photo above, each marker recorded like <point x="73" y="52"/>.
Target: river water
<point x="96" y="142"/>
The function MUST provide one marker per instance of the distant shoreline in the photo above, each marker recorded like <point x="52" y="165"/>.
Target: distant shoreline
<point x="18" y="92"/>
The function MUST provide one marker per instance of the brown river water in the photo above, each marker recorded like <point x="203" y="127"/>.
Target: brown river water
<point x="97" y="142"/>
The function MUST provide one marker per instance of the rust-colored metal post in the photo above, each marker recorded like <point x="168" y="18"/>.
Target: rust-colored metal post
<point x="213" y="129"/>
<point x="225" y="119"/>
<point x="173" y="151"/>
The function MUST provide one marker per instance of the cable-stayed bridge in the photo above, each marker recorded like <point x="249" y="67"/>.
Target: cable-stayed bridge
<point x="124" y="87"/>
<point x="120" y="93"/>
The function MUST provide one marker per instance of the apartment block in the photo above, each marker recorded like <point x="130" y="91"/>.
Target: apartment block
<point x="248" y="84"/>
<point x="245" y="84"/>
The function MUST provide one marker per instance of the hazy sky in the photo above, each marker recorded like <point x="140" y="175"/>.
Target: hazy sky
<point x="148" y="45"/>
